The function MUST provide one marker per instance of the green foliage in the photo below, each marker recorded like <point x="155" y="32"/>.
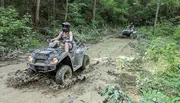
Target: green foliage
<point x="164" y="29"/>
<point x="142" y="46"/>
<point x="82" y="33"/>
<point x="111" y="93"/>
<point x="92" y="32"/>
<point x="177" y="33"/>
<point x="162" y="52"/>
<point x="154" y="96"/>
<point x="113" y="12"/>
<point x="14" y="32"/>
<point x="146" y="80"/>
<point x="142" y="12"/>
<point x="163" y="48"/>
<point x="171" y="79"/>
<point x="75" y="15"/>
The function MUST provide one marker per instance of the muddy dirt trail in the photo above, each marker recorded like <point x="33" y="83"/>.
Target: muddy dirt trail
<point x="85" y="87"/>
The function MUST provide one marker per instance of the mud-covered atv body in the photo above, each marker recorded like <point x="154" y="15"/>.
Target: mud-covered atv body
<point x="55" y="59"/>
<point x="128" y="33"/>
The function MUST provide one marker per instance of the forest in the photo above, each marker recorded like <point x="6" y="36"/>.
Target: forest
<point x="27" y="24"/>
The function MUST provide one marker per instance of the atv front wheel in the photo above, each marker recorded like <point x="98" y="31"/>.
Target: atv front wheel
<point x="133" y="35"/>
<point x="30" y="72"/>
<point x="86" y="62"/>
<point x="63" y="74"/>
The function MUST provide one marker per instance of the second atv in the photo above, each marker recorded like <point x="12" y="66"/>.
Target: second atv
<point x="128" y="33"/>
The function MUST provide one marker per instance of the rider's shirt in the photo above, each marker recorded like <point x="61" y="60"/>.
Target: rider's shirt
<point x="64" y="37"/>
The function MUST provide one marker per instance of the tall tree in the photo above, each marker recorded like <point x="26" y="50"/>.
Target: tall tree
<point x="37" y="12"/>
<point x="66" y="12"/>
<point x="2" y="3"/>
<point x="157" y="12"/>
<point x="54" y="8"/>
<point x="94" y="10"/>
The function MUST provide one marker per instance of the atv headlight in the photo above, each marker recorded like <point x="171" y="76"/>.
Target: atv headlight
<point x="30" y="58"/>
<point x="54" y="60"/>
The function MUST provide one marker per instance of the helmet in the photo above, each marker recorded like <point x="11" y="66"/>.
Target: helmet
<point x="66" y="26"/>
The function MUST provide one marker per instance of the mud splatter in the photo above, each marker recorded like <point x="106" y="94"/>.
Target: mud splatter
<point x="43" y="88"/>
<point x="20" y="79"/>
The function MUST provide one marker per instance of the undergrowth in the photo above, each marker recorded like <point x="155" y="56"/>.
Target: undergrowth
<point x="159" y="55"/>
<point x="18" y="36"/>
<point x="157" y="64"/>
<point x="114" y="95"/>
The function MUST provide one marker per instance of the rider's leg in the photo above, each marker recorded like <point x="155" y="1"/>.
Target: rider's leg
<point x="61" y="44"/>
<point x="57" y="42"/>
<point x="67" y="46"/>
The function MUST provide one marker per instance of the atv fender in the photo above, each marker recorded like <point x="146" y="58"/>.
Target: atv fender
<point x="65" y="59"/>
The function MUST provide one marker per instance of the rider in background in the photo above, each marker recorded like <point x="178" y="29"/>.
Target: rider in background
<point x="65" y="36"/>
<point x="131" y="27"/>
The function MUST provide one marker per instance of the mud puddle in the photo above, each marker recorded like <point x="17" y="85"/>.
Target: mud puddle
<point x="20" y="79"/>
<point x="84" y="86"/>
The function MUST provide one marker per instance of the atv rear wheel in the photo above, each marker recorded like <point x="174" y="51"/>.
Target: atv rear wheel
<point x="63" y="74"/>
<point x="86" y="62"/>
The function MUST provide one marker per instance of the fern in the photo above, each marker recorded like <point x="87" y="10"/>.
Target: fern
<point x="112" y="93"/>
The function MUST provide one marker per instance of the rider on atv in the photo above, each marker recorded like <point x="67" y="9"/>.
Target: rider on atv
<point x="129" y="32"/>
<point x="65" y="36"/>
<point x="56" y="59"/>
<point x="131" y="27"/>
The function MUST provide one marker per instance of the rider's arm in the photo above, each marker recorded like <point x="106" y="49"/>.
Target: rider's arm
<point x="58" y="37"/>
<point x="70" y="36"/>
<point x="133" y="26"/>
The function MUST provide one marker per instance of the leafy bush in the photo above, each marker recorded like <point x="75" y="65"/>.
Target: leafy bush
<point x="161" y="58"/>
<point x="14" y="32"/>
<point x="147" y="80"/>
<point x="147" y="32"/>
<point x="75" y="15"/>
<point x="171" y="80"/>
<point x="111" y="93"/>
<point x="163" y="48"/>
<point x="84" y="34"/>
<point x="164" y="29"/>
<point x="154" y="96"/>
<point x="177" y="33"/>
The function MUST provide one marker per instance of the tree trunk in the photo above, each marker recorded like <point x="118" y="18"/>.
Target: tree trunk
<point x="66" y="12"/>
<point x="48" y="11"/>
<point x="37" y="12"/>
<point x="2" y="3"/>
<point x="54" y="8"/>
<point x="94" y="10"/>
<point x="157" y="12"/>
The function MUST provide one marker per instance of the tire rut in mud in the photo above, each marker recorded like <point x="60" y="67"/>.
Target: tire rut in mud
<point x="46" y="81"/>
<point x="20" y="79"/>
